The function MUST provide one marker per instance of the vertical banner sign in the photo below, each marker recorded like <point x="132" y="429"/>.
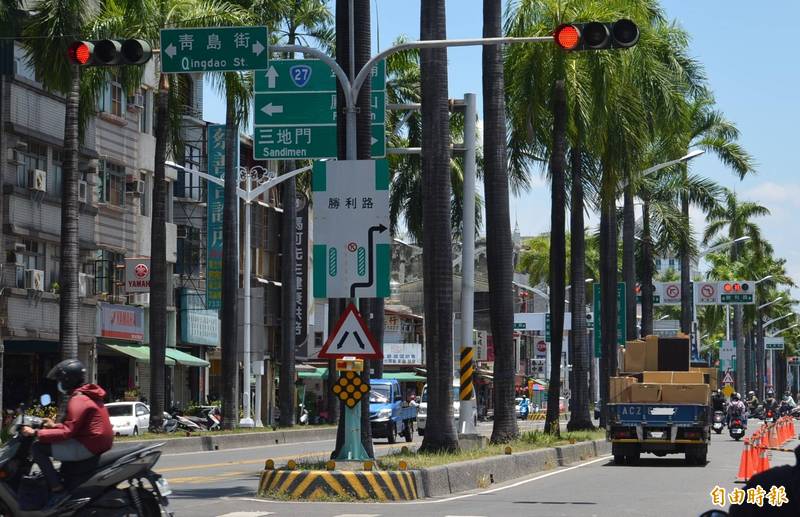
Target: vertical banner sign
<point x="598" y="340"/>
<point x="301" y="276"/>
<point x="216" y="167"/>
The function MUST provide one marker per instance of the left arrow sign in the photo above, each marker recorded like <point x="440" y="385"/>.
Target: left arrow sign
<point x="171" y="50"/>
<point x="271" y="109"/>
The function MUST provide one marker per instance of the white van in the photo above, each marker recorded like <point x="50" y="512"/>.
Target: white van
<point x="422" y="410"/>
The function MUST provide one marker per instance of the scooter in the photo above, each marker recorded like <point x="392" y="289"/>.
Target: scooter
<point x="303" y="414"/>
<point x="186" y="424"/>
<point x="117" y="483"/>
<point x="719" y="422"/>
<point x="736" y="429"/>
<point x="769" y="416"/>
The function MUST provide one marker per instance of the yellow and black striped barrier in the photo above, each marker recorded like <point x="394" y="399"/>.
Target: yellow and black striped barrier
<point x="537" y="416"/>
<point x="467" y="373"/>
<point x="313" y="485"/>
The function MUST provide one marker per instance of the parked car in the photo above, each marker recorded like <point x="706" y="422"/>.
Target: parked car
<point x="128" y="418"/>
<point x="422" y="413"/>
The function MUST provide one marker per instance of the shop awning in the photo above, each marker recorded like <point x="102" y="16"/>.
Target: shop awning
<point x="186" y="359"/>
<point x="404" y="376"/>
<point x="140" y="353"/>
<point x="318" y="373"/>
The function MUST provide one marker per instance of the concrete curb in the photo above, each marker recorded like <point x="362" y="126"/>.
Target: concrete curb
<point x="198" y="443"/>
<point x="469" y="475"/>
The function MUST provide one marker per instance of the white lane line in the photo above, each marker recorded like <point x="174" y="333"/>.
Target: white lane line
<point x="247" y="514"/>
<point x="358" y="515"/>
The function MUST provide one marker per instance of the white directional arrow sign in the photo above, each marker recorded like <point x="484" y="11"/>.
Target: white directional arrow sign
<point x="258" y="48"/>
<point x="271" y="75"/>
<point x="170" y="50"/>
<point x="351" y="338"/>
<point x="271" y="109"/>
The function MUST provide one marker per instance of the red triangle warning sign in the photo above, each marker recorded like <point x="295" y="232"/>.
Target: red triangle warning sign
<point x="728" y="379"/>
<point x="351" y="338"/>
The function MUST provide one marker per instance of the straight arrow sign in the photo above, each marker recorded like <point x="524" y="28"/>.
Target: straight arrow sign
<point x="271" y="75"/>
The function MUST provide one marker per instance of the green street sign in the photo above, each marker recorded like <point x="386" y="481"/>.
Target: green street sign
<point x="296" y="111"/>
<point x="214" y="49"/>
<point x="737" y="298"/>
<point x="306" y="142"/>
<point x="621" y="299"/>
<point x="520" y="326"/>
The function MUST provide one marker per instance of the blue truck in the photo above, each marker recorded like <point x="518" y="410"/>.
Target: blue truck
<point x="660" y="428"/>
<point x="389" y="414"/>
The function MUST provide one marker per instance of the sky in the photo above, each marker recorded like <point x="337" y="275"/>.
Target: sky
<point x="748" y="61"/>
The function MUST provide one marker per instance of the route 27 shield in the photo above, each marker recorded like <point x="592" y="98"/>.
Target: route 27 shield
<point x="300" y="75"/>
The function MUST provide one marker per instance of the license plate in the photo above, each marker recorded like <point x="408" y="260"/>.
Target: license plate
<point x="657" y="434"/>
<point x="163" y="487"/>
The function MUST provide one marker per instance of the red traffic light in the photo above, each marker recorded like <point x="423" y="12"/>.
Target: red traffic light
<point x="597" y="35"/>
<point x="727" y="288"/>
<point x="567" y="36"/>
<point x="80" y="52"/>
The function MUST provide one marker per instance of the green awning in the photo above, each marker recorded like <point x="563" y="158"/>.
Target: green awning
<point x="186" y="359"/>
<point x="140" y="353"/>
<point x="404" y="376"/>
<point x="318" y="373"/>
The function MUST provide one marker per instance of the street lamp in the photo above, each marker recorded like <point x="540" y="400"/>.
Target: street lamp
<point x="768" y="277"/>
<point x="773" y="320"/>
<point x="779" y="298"/>
<point x="656" y="168"/>
<point x="781" y="331"/>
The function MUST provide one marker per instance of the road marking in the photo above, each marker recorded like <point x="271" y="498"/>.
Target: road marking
<point x="358" y="515"/>
<point x="170" y="455"/>
<point x="246" y="514"/>
<point x="203" y="479"/>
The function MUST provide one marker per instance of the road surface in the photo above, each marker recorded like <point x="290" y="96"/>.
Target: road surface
<point x="222" y="483"/>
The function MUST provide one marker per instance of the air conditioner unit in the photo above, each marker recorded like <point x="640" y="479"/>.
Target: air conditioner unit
<point x="83" y="191"/>
<point x="590" y="318"/>
<point x="135" y="102"/>
<point x="14" y="157"/>
<point x="85" y="285"/>
<point x="38" y="180"/>
<point x="182" y="232"/>
<point x="139" y="186"/>
<point x="34" y="279"/>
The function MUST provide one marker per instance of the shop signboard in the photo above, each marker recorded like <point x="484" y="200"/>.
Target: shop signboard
<point x="124" y="322"/>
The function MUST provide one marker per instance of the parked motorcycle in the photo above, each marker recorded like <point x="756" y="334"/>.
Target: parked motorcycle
<point x="303" y="414"/>
<point x="117" y="483"/>
<point x="736" y="428"/>
<point x="719" y="422"/>
<point x="184" y="423"/>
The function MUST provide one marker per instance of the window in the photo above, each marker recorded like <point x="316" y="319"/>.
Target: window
<point x="55" y="269"/>
<point x="109" y="271"/>
<point x="55" y="179"/>
<point x="145" y="126"/>
<point x="658" y="263"/>
<point x="113" y="99"/>
<point x="671" y="262"/>
<point x="188" y="249"/>
<point x="34" y="157"/>
<point x="190" y="185"/>
<point x="144" y="198"/>
<point x="30" y="255"/>
<point x="317" y="339"/>
<point x="111" y="188"/>
<point x="186" y="90"/>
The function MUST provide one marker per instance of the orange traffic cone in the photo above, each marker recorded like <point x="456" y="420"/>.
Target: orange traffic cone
<point x="755" y="455"/>
<point x="763" y="463"/>
<point x="744" y="463"/>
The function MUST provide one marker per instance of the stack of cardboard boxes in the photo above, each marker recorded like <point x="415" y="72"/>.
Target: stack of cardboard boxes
<point x="658" y="370"/>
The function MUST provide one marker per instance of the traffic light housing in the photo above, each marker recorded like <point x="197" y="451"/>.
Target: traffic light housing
<point x="109" y="52"/>
<point x="622" y="33"/>
<point x="734" y="287"/>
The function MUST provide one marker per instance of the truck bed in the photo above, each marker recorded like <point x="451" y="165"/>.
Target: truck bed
<point x="658" y="413"/>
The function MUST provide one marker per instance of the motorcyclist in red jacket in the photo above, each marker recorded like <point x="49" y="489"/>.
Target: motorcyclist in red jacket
<point x="84" y="432"/>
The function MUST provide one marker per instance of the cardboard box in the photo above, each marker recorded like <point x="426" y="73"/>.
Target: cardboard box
<point x="620" y="358"/>
<point x="674" y="354"/>
<point x="657" y="377"/>
<point x="688" y="378"/>
<point x="651" y="363"/>
<point x="619" y="389"/>
<point x="635" y="356"/>
<point x="685" y="393"/>
<point x="709" y="375"/>
<point x="644" y="392"/>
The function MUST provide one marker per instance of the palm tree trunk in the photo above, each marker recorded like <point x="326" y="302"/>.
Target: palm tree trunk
<point x="686" y="266"/>
<point x="69" y="301"/>
<point x="287" y="390"/>
<point x="647" y="271"/>
<point x="748" y="347"/>
<point x="759" y="385"/>
<point x="629" y="260"/>
<point x="557" y="253"/>
<point x="158" y="262"/>
<point x="230" y="277"/>
<point x="579" y="415"/>
<point x="608" y="288"/>
<point x="440" y="433"/>
<point x="498" y="228"/>
<point x="741" y="349"/>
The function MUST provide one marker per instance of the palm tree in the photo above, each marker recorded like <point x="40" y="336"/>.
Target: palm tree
<point x="51" y="28"/>
<point x="706" y="128"/>
<point x="535" y="256"/>
<point x="498" y="227"/>
<point x="440" y="433"/>
<point x="734" y="218"/>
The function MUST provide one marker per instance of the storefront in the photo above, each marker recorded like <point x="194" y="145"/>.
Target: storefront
<point x="199" y="337"/>
<point x="26" y="364"/>
<point x="120" y="354"/>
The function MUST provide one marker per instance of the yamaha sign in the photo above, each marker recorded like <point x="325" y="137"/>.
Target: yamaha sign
<point x="137" y="275"/>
